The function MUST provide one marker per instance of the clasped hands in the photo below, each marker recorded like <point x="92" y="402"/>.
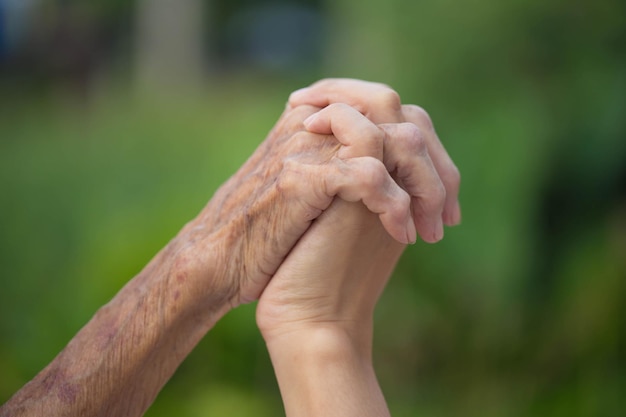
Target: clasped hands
<point x="312" y="226"/>
<point x="346" y="178"/>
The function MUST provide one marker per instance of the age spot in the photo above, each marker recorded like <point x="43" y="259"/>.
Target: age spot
<point x="181" y="277"/>
<point x="67" y="393"/>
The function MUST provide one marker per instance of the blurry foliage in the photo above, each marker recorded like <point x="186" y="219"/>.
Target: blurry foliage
<point x="520" y="311"/>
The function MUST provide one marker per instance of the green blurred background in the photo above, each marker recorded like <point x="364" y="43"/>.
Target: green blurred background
<point x="118" y="120"/>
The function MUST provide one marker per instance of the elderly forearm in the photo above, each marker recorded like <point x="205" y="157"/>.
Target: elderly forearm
<point x="118" y="362"/>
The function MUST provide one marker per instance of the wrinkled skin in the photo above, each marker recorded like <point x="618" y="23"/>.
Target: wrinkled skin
<point x="256" y="217"/>
<point x="259" y="214"/>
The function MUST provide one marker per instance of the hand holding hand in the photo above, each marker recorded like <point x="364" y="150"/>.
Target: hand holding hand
<point x="338" y="269"/>
<point x="253" y="221"/>
<point x="316" y="312"/>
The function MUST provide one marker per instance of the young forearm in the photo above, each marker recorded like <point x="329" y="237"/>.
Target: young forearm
<point x="327" y="371"/>
<point x="120" y="360"/>
<point x="316" y="315"/>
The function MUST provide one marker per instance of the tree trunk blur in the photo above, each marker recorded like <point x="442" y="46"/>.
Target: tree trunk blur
<point x="169" y="43"/>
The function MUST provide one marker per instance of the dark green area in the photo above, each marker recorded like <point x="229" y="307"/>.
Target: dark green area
<point x="520" y="311"/>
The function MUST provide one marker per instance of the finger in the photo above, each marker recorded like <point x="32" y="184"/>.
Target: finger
<point x="358" y="135"/>
<point x="358" y="179"/>
<point x="448" y="172"/>
<point x="378" y="102"/>
<point x="406" y="156"/>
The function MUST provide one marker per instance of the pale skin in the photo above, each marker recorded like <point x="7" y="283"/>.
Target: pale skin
<point x="316" y="316"/>
<point x="311" y="226"/>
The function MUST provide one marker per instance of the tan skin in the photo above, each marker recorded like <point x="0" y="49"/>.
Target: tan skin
<point x="313" y="209"/>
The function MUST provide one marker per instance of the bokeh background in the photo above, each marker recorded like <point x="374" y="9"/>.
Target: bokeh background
<point x="119" y="119"/>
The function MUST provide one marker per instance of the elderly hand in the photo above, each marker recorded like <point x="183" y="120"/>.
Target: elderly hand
<point x="235" y="245"/>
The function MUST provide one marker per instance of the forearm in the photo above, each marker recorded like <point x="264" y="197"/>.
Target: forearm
<point x="120" y="360"/>
<point x="327" y="371"/>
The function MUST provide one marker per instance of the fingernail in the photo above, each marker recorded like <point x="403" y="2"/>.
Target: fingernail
<point x="438" y="230"/>
<point x="411" y="232"/>
<point x="309" y="120"/>
<point x="455" y="216"/>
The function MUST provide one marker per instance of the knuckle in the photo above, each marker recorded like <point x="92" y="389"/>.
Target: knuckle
<point x="299" y="140"/>
<point x="372" y="173"/>
<point x="302" y="111"/>
<point x="293" y="119"/>
<point x="384" y="87"/>
<point x="288" y="178"/>
<point x="420" y="117"/>
<point x="388" y="98"/>
<point x="303" y="186"/>
<point x="306" y="146"/>
<point x="414" y="140"/>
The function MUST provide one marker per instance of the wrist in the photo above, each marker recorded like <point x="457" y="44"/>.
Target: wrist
<point x="326" y="371"/>
<point x="317" y="342"/>
<point x="185" y="273"/>
<point x="318" y="334"/>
